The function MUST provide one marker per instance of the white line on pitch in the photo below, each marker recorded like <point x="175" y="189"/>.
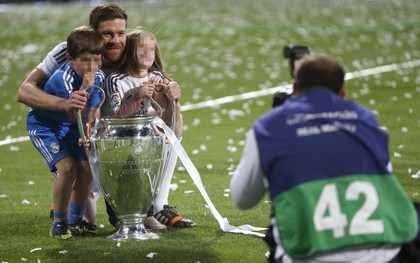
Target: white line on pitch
<point x="288" y="87"/>
<point x="14" y="140"/>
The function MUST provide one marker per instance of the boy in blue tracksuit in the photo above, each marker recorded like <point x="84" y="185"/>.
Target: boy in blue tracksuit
<point x="55" y="134"/>
<point x="324" y="160"/>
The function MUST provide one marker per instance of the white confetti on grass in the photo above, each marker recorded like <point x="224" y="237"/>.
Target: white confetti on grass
<point x="216" y="121"/>
<point x="408" y="95"/>
<point x="173" y="187"/>
<point x="196" y="122"/>
<point x="203" y="147"/>
<point x="4" y="196"/>
<point x="231" y="167"/>
<point x="232" y="149"/>
<point x="416" y="175"/>
<point x="151" y="254"/>
<point x="397" y="155"/>
<point x="394" y="99"/>
<point x="233" y="114"/>
<point x="25" y="202"/>
<point x="29" y="49"/>
<point x="35" y="249"/>
<point x="188" y="191"/>
<point x="14" y="148"/>
<point x="63" y="252"/>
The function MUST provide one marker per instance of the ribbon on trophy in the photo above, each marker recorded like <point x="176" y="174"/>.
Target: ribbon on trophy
<point x="193" y="172"/>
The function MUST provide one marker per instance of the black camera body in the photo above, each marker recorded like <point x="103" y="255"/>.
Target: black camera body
<point x="294" y="53"/>
<point x="279" y="98"/>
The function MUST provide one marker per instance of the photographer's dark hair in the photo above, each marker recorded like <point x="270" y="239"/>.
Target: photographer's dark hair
<point x="319" y="71"/>
<point x="84" y="40"/>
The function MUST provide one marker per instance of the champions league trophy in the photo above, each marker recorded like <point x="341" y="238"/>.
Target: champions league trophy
<point x="129" y="156"/>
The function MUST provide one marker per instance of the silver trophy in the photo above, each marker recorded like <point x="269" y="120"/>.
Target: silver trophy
<point x="128" y="157"/>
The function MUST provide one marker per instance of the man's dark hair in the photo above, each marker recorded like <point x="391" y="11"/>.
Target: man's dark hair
<point x="105" y="12"/>
<point x="319" y="71"/>
<point x="84" y="40"/>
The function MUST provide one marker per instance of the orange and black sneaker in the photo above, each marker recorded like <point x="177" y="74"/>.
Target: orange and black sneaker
<point x="170" y="217"/>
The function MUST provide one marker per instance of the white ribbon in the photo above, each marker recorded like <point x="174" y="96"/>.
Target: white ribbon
<point x="192" y="170"/>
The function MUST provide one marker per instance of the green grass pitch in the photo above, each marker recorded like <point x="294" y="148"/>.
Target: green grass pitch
<point x="213" y="49"/>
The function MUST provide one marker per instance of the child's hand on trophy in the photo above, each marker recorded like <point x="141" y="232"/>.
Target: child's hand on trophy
<point x="89" y="125"/>
<point x="172" y="90"/>
<point x="88" y="80"/>
<point x="146" y="90"/>
<point x="84" y="143"/>
<point x="155" y="80"/>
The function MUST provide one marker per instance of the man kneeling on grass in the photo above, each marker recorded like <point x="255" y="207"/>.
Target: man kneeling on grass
<point x="325" y="162"/>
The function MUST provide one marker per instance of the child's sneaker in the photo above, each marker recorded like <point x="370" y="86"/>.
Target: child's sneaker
<point x="170" y="217"/>
<point x="83" y="228"/>
<point x="61" y="231"/>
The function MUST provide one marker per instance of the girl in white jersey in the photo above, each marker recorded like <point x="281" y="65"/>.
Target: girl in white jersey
<point x="140" y="75"/>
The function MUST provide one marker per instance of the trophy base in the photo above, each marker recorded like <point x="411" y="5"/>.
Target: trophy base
<point x="133" y="233"/>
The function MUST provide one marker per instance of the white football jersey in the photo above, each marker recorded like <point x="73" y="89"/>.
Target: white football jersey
<point x="54" y="59"/>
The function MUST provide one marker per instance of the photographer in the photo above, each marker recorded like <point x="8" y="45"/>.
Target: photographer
<point x="325" y="162"/>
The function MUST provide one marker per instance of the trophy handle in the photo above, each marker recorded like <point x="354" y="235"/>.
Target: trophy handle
<point x="79" y="118"/>
<point x="173" y="120"/>
<point x="149" y="101"/>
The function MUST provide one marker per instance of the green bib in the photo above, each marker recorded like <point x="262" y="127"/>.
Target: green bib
<point x="329" y="214"/>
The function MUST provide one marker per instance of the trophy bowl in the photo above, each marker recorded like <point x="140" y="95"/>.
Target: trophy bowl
<point x="131" y="156"/>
